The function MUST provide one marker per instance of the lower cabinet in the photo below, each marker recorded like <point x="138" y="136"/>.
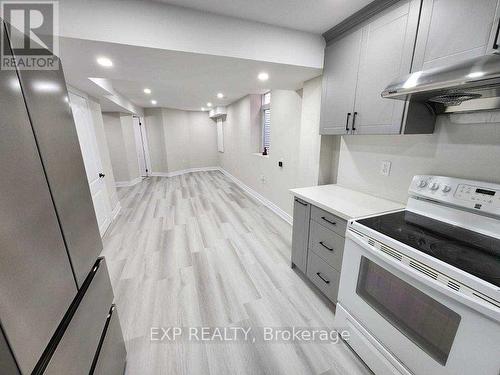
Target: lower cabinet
<point x="318" y="246"/>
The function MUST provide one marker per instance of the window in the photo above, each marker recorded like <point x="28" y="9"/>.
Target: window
<point x="266" y="122"/>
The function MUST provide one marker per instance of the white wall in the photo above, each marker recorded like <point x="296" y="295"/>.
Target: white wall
<point x="168" y="27"/>
<point x="465" y="146"/>
<point x="102" y="145"/>
<point x="295" y="139"/>
<point x="121" y="143"/>
<point x="239" y="158"/>
<point x="308" y="172"/>
<point x="127" y="123"/>
<point x="203" y="140"/>
<point x="180" y="140"/>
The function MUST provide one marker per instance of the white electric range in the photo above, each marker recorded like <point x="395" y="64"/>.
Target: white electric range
<point x="420" y="288"/>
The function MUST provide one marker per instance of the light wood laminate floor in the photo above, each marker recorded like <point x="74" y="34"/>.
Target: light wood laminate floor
<point x="195" y="250"/>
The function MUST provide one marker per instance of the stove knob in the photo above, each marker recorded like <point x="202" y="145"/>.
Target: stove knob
<point x="422" y="183"/>
<point x="446" y="189"/>
<point x="434" y="186"/>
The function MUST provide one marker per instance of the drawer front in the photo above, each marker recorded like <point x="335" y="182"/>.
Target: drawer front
<point x="323" y="276"/>
<point x="327" y="244"/>
<point x="112" y="355"/>
<point x="76" y="350"/>
<point x="329" y="221"/>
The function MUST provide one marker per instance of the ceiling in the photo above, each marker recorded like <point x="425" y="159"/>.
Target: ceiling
<point x="316" y="16"/>
<point x="177" y="79"/>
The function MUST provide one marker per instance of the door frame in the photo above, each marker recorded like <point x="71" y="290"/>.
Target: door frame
<point x="141" y="144"/>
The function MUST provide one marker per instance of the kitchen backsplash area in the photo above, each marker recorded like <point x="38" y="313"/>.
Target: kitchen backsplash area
<point x="463" y="145"/>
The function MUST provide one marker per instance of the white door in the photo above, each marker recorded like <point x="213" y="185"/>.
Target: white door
<point x="92" y="160"/>
<point x="141" y="145"/>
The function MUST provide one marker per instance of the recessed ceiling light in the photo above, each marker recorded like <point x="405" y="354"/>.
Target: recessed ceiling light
<point x="209" y="104"/>
<point x="475" y="74"/>
<point x="263" y="76"/>
<point x="153" y="102"/>
<point x="220" y="95"/>
<point x="104" y="61"/>
<point x="147" y="91"/>
<point x="203" y="109"/>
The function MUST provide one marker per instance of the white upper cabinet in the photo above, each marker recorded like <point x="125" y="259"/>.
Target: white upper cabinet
<point x="360" y="65"/>
<point x="453" y="30"/>
<point x="386" y="54"/>
<point x="339" y="84"/>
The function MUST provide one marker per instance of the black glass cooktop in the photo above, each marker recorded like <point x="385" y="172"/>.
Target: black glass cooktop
<point x="470" y="251"/>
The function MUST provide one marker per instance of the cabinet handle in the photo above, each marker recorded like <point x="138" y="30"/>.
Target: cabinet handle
<point x="326" y="247"/>
<point x="322" y="278"/>
<point x="354" y="121"/>
<point x="302" y="203"/>
<point x="495" y="41"/>
<point x="347" y="122"/>
<point x="328" y="221"/>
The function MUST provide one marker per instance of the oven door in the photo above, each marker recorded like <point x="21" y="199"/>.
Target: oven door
<point x="402" y="321"/>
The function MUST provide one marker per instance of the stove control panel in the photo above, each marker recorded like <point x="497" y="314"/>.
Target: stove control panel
<point x="473" y="195"/>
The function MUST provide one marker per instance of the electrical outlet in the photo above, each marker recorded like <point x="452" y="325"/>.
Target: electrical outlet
<point x="385" y="168"/>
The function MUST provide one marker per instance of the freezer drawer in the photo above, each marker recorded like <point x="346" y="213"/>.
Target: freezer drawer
<point x="111" y="356"/>
<point x="76" y="350"/>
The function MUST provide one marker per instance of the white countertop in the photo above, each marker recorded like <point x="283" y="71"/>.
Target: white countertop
<point x="344" y="202"/>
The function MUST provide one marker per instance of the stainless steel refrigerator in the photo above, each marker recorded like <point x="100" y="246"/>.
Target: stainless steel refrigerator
<point x="56" y="302"/>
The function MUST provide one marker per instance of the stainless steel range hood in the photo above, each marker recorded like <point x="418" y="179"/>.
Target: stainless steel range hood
<point x="471" y="85"/>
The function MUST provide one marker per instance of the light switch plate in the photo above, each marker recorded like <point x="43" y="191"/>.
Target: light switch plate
<point x="385" y="168"/>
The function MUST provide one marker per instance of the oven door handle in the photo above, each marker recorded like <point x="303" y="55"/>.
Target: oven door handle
<point x="484" y="308"/>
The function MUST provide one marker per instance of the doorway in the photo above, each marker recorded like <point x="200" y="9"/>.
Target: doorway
<point x="91" y="159"/>
<point x="141" y="144"/>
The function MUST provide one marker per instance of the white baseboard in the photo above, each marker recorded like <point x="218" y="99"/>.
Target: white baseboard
<point x="116" y="211"/>
<point x="135" y="181"/>
<point x="266" y="202"/>
<point x="184" y="171"/>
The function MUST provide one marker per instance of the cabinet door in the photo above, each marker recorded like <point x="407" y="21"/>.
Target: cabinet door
<point x="339" y="83"/>
<point x="386" y="54"/>
<point x="453" y="30"/>
<point x="300" y="235"/>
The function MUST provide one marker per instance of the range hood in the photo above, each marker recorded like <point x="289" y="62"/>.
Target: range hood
<point x="471" y="85"/>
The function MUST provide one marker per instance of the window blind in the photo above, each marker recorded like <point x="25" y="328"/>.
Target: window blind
<point x="266" y="130"/>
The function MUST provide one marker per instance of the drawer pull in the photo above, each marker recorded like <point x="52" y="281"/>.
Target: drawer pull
<point x="326" y="247"/>
<point x="328" y="221"/>
<point x="302" y="203"/>
<point x="322" y="278"/>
